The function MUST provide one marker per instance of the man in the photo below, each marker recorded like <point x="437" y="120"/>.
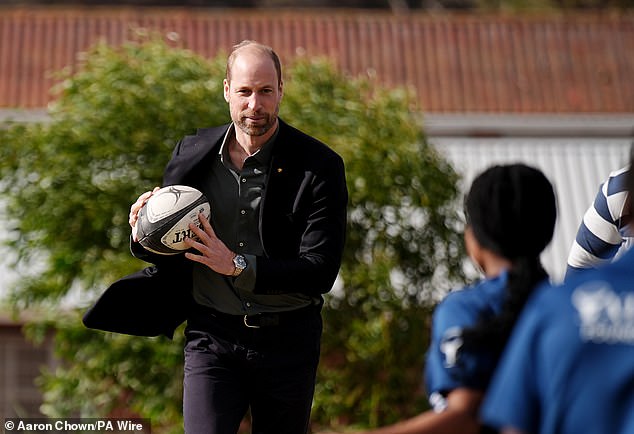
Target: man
<point x="567" y="368"/>
<point x="251" y="287"/>
<point x="604" y="232"/>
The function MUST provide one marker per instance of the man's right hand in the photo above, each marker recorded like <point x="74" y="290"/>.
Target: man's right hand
<point x="135" y="208"/>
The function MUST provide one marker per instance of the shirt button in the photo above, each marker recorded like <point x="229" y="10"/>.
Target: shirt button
<point x="243" y="212"/>
<point x="241" y="244"/>
<point x="244" y="180"/>
<point x="248" y="304"/>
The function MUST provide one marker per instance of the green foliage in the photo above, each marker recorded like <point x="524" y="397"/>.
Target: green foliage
<point x="69" y="183"/>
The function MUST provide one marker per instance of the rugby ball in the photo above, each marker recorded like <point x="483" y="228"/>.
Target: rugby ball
<point x="164" y="220"/>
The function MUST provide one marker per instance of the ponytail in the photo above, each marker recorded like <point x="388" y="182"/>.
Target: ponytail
<point x="493" y="331"/>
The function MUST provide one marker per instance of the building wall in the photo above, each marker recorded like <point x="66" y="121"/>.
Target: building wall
<point x="576" y="167"/>
<point x="20" y="364"/>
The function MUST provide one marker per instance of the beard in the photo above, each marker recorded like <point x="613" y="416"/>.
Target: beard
<point x="260" y="128"/>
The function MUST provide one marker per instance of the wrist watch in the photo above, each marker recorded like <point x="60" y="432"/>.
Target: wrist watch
<point x="240" y="263"/>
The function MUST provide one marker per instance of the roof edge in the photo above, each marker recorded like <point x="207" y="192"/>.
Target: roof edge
<point x="533" y="125"/>
<point x="471" y="124"/>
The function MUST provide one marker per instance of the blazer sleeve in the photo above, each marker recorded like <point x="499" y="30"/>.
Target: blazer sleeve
<point x="303" y="237"/>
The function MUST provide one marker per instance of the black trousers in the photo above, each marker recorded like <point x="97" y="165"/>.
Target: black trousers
<point x="230" y="368"/>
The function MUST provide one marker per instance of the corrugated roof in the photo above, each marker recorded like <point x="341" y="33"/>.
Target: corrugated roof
<point x="565" y="63"/>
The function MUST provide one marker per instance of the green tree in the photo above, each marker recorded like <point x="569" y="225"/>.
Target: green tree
<point x="68" y="185"/>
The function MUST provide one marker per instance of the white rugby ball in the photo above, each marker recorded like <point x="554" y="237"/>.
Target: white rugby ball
<point x="164" y="220"/>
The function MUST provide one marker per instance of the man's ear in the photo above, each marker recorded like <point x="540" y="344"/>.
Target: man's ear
<point x="225" y="85"/>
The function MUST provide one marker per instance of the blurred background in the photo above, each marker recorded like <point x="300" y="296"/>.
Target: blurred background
<point x="418" y="96"/>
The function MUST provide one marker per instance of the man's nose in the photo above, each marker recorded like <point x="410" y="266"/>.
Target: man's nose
<point x="254" y="101"/>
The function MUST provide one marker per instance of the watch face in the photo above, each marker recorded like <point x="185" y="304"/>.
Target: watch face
<point x="239" y="261"/>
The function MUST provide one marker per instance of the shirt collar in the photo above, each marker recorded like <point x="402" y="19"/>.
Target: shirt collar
<point x="262" y="155"/>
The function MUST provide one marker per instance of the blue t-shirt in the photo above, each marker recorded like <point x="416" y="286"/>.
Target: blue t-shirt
<point x="569" y="366"/>
<point x="450" y="364"/>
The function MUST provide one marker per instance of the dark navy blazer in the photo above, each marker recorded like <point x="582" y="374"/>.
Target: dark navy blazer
<point x="302" y="225"/>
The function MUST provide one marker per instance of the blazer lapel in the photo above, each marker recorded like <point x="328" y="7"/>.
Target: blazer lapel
<point x="191" y="151"/>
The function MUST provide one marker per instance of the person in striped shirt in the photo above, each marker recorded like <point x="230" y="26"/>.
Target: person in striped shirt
<point x="604" y="232"/>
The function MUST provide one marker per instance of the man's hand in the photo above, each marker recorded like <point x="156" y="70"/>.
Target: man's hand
<point x="135" y="208"/>
<point x="213" y="252"/>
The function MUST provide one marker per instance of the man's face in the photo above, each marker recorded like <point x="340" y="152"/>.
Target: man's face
<point x="253" y="93"/>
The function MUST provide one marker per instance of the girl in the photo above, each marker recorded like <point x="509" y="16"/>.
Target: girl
<point x="510" y="214"/>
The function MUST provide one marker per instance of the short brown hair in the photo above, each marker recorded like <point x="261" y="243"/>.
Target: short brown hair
<point x="260" y="47"/>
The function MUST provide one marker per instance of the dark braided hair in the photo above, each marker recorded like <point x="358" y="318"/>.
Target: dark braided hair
<point x="511" y="210"/>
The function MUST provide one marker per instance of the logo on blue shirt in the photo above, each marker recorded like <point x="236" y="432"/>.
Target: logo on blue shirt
<point x="606" y="316"/>
<point x="450" y="346"/>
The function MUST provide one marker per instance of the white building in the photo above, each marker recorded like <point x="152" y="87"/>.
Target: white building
<point x="576" y="152"/>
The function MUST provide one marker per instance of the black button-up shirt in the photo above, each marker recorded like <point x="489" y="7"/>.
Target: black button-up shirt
<point x="235" y="197"/>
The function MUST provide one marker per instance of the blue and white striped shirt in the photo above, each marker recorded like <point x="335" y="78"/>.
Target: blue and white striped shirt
<point x="604" y="232"/>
